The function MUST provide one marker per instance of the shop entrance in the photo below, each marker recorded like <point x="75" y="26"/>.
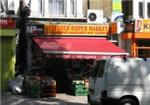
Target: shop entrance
<point x="64" y="71"/>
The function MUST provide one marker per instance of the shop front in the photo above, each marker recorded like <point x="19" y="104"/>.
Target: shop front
<point x="67" y="52"/>
<point x="137" y="36"/>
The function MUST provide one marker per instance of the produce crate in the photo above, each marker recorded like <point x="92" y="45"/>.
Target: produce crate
<point x="79" y="88"/>
<point x="33" y="90"/>
<point x="40" y="87"/>
<point x="81" y="92"/>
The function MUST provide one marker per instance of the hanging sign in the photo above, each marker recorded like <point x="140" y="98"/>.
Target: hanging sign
<point x="79" y="30"/>
<point x="7" y="24"/>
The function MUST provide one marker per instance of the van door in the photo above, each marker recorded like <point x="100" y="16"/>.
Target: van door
<point x="96" y="80"/>
<point x="145" y="71"/>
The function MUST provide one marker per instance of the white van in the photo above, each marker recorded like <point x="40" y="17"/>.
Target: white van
<point x="120" y="81"/>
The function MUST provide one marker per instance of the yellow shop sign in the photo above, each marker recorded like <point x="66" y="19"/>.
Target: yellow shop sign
<point x="79" y="30"/>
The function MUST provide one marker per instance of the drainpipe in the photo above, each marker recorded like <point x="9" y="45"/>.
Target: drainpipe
<point x="88" y="4"/>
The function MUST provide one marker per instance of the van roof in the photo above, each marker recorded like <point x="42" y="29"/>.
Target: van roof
<point x="119" y="58"/>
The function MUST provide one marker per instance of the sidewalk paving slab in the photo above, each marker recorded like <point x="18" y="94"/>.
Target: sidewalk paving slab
<point x="8" y="98"/>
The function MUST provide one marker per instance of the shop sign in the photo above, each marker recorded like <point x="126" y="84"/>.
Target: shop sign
<point x="142" y="25"/>
<point x="76" y="56"/>
<point x="35" y="29"/>
<point x="67" y="29"/>
<point x="7" y="24"/>
<point x="117" y="6"/>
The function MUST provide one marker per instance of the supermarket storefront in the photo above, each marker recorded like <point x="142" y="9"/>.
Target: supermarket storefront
<point x="66" y="52"/>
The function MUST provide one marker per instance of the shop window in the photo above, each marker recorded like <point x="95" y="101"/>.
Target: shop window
<point x="145" y="43"/>
<point x="144" y="53"/>
<point x="143" y="48"/>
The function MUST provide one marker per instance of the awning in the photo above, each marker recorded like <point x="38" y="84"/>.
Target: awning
<point x="78" y="47"/>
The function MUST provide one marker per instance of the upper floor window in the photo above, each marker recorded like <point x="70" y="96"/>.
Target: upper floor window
<point x="40" y="6"/>
<point x="37" y="8"/>
<point x="62" y="8"/>
<point x="56" y="7"/>
<point x="73" y="7"/>
<point x="141" y="9"/>
<point x="148" y="9"/>
<point x="51" y="8"/>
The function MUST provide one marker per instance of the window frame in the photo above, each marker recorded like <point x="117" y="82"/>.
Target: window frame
<point x="67" y="11"/>
<point x="140" y="9"/>
<point x="54" y="4"/>
<point x="148" y="9"/>
<point x="98" y="69"/>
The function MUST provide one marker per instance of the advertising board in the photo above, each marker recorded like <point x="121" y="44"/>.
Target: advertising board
<point x="142" y="25"/>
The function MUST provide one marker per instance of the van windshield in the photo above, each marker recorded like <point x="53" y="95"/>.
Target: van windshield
<point x="98" y="69"/>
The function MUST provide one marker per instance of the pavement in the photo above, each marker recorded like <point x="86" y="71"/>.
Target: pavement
<point x="7" y="98"/>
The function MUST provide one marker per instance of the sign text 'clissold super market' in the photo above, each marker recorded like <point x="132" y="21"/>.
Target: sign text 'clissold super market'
<point x="69" y="29"/>
<point x="63" y="29"/>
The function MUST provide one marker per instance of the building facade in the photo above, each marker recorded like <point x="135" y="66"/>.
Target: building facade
<point x="62" y="8"/>
<point x="136" y="36"/>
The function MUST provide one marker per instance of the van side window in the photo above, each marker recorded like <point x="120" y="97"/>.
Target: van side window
<point x="94" y="70"/>
<point x="101" y="68"/>
<point x="98" y="69"/>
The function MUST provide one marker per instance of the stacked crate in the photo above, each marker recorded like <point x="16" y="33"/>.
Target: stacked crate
<point x="79" y="88"/>
<point x="32" y="86"/>
<point x="48" y="88"/>
<point x="39" y="87"/>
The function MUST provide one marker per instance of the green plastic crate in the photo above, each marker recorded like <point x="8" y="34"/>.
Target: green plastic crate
<point x="81" y="92"/>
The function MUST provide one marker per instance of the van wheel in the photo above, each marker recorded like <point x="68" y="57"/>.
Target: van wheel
<point x="127" y="102"/>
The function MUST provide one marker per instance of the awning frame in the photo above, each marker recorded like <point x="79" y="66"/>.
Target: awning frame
<point x="83" y="53"/>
